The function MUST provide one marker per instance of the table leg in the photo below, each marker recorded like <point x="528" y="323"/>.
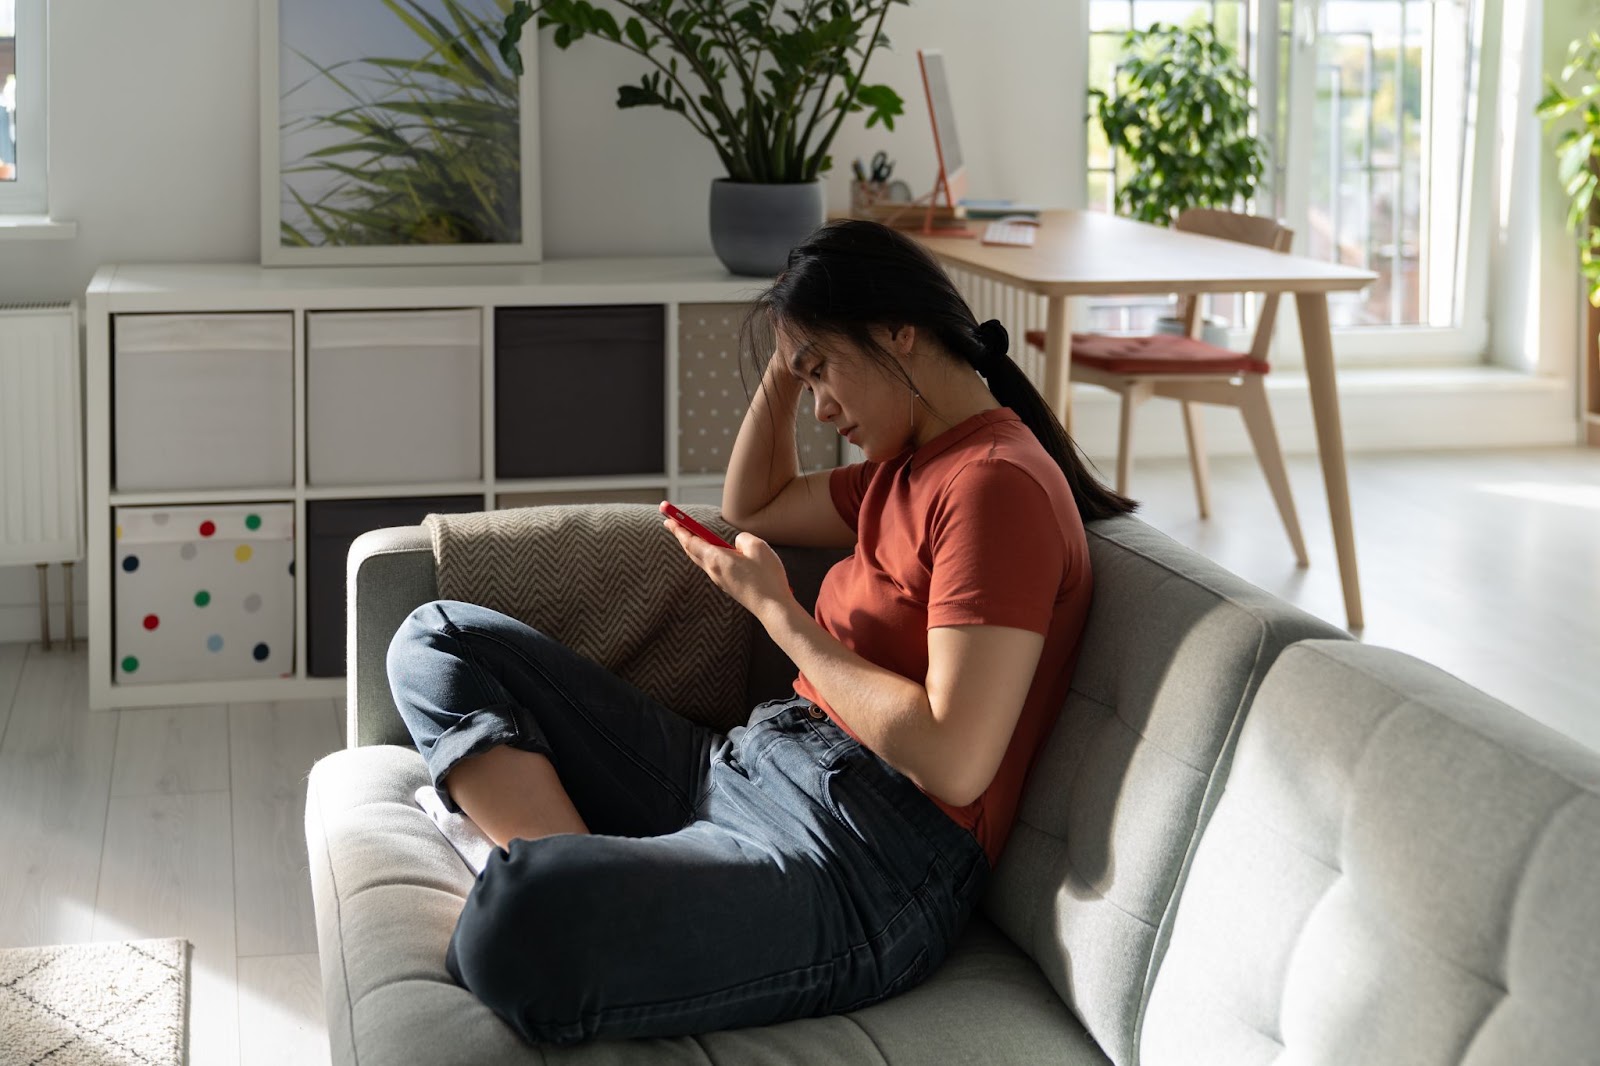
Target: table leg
<point x="1316" y="335"/>
<point x="1058" y="360"/>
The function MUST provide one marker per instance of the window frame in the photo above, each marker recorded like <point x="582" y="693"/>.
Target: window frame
<point x="29" y="195"/>
<point x="1464" y="344"/>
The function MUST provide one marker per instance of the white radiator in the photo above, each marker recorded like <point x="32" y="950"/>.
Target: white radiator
<point x="41" y="452"/>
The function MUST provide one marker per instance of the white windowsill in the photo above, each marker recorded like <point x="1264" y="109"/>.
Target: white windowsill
<point x="35" y="228"/>
<point x="1382" y="379"/>
<point x="1381" y="409"/>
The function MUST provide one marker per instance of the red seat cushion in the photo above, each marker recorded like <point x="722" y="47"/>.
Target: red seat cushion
<point x="1159" y="353"/>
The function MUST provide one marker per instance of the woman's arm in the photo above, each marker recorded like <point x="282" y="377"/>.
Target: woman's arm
<point x="947" y="737"/>
<point x="764" y="492"/>
<point x="764" y="458"/>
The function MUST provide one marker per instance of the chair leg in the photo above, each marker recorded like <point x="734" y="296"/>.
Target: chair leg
<point x="1197" y="457"/>
<point x="1133" y="394"/>
<point x="1258" y="421"/>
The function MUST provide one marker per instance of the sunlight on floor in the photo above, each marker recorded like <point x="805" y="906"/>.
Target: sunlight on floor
<point x="1584" y="496"/>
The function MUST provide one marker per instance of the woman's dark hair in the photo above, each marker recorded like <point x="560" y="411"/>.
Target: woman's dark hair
<point x="851" y="275"/>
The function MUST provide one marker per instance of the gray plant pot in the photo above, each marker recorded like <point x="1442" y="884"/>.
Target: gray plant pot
<point x="754" y="225"/>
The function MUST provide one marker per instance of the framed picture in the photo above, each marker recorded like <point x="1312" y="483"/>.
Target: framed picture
<point x="392" y="132"/>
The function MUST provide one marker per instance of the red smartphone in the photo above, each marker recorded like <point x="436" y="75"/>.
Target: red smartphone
<point x="696" y="528"/>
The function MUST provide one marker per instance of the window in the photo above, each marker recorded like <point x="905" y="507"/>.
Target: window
<point x="22" y="121"/>
<point x="1373" y="148"/>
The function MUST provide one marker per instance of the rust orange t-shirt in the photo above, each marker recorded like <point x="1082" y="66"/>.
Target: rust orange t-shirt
<point x="975" y="527"/>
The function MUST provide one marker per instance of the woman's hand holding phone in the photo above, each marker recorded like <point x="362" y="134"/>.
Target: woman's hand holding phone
<point x="678" y="516"/>
<point x="749" y="570"/>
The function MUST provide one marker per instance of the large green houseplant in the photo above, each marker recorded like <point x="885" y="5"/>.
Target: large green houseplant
<point x="1179" y="116"/>
<point x="767" y="82"/>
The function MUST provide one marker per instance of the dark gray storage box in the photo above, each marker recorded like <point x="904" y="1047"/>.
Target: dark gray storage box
<point x="331" y="527"/>
<point x="580" y="391"/>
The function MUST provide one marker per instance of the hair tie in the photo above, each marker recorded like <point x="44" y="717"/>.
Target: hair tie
<point x="996" y="343"/>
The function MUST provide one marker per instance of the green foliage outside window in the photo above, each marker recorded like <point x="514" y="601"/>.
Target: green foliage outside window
<point x="1578" y="149"/>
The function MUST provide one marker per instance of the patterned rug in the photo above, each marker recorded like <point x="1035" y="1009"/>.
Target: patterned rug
<point x="107" y="1004"/>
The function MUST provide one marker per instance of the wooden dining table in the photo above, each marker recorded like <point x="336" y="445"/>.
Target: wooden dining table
<point x="1088" y="253"/>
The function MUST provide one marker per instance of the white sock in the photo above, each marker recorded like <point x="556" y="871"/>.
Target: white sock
<point x="462" y="832"/>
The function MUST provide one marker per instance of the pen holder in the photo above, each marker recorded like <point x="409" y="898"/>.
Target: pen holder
<point x="866" y="195"/>
<point x="872" y="200"/>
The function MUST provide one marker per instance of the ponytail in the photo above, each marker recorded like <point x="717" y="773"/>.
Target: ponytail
<point x="989" y="354"/>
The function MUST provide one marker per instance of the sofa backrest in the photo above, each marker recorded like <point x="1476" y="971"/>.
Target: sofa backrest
<point x="1401" y="869"/>
<point x="1173" y="653"/>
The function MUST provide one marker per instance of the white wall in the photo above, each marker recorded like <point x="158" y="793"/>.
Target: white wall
<point x="154" y="141"/>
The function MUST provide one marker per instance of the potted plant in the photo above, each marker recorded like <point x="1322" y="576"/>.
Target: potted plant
<point x="1179" y="115"/>
<point x="1578" y="150"/>
<point x="767" y="85"/>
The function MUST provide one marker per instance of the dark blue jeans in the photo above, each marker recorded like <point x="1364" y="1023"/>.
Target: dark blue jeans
<point x="778" y="871"/>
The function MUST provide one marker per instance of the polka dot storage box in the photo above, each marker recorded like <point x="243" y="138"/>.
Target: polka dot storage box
<point x="204" y="593"/>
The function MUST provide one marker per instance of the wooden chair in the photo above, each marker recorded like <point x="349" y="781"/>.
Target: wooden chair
<point x="1189" y="370"/>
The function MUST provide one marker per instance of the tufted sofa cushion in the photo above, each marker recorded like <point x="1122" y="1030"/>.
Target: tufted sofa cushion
<point x="1401" y="870"/>
<point x="1173" y="652"/>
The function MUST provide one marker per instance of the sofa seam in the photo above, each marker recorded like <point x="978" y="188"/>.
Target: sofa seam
<point x="700" y="1045"/>
<point x="1433" y="709"/>
<point x="1254" y="612"/>
<point x="851" y="1018"/>
<point x="1210" y="797"/>
<point x="1116" y="715"/>
<point x="1082" y="880"/>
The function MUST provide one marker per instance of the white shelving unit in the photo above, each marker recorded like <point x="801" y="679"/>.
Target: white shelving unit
<point x="672" y="284"/>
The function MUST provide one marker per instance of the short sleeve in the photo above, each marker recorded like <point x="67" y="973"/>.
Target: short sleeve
<point x="998" y="550"/>
<point x="848" y="487"/>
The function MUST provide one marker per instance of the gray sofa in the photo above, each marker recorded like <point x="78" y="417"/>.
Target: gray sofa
<point x="1248" y="840"/>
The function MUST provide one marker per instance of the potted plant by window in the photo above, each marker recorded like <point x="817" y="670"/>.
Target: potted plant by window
<point x="766" y="84"/>
<point x="1578" y="150"/>
<point x="1179" y="117"/>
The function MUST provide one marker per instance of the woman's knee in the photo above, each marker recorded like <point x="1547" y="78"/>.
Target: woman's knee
<point x="521" y="944"/>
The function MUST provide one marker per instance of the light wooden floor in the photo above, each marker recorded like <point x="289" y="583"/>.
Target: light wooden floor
<point x="188" y="821"/>
<point x="1486" y="564"/>
<point x="123" y="825"/>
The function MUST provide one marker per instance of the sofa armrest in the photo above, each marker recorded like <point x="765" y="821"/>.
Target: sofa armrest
<point x="389" y="573"/>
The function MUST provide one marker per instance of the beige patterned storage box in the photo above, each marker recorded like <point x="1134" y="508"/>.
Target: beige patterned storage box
<point x="711" y="396"/>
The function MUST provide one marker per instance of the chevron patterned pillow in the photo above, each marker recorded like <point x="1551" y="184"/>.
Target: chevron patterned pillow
<point x="609" y="582"/>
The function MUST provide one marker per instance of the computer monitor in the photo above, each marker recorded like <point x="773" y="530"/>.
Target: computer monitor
<point x="952" y="179"/>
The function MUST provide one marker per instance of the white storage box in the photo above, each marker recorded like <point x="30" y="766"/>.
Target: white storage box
<point x="204" y="593"/>
<point x="203" y="401"/>
<point x="394" y="397"/>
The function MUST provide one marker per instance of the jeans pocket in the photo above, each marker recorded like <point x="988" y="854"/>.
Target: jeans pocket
<point x="883" y="844"/>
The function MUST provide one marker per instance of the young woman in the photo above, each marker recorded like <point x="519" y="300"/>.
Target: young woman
<point x="654" y="877"/>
